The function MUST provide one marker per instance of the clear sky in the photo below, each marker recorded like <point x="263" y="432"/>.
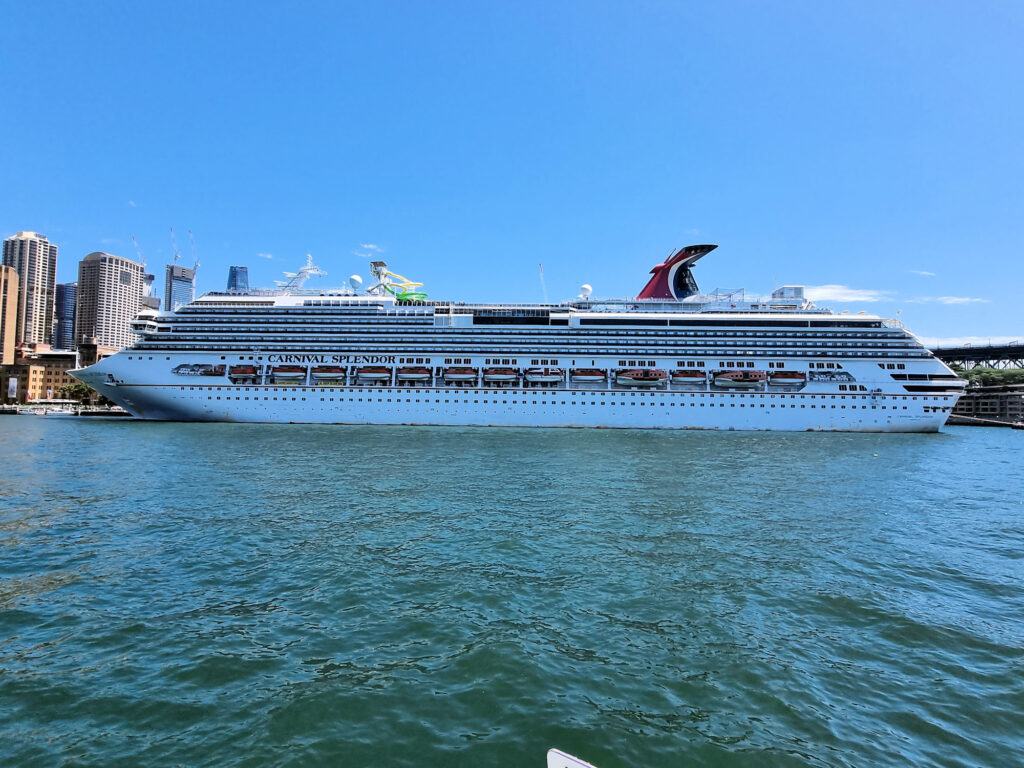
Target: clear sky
<point x="872" y="148"/>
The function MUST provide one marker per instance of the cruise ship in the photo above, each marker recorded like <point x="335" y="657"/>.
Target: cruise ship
<point x="669" y="358"/>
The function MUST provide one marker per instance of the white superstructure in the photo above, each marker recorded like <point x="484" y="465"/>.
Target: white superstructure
<point x="670" y="358"/>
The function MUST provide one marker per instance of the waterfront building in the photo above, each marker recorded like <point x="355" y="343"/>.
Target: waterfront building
<point x="109" y="297"/>
<point x="34" y="258"/>
<point x="999" y="403"/>
<point x="40" y="372"/>
<point x="64" y="316"/>
<point x="179" y="287"/>
<point x="238" y="279"/>
<point x="8" y="313"/>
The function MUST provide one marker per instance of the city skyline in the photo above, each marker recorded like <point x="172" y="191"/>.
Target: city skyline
<point x="846" y="149"/>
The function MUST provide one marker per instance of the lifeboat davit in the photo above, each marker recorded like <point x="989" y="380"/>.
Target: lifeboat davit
<point x="688" y="377"/>
<point x="289" y="372"/>
<point x="460" y="375"/>
<point x="787" y="378"/>
<point x="545" y="375"/>
<point x="328" y="373"/>
<point x="584" y="375"/>
<point x="501" y="375"/>
<point x="416" y="373"/>
<point x="373" y="373"/>
<point x="740" y="379"/>
<point x="641" y="377"/>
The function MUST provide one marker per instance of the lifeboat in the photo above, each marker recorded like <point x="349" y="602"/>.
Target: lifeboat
<point x="375" y="373"/>
<point x="739" y="379"/>
<point x="213" y="370"/>
<point x="416" y="373"/>
<point x="500" y="375"/>
<point x="688" y="377"/>
<point x="585" y="375"/>
<point x="787" y="378"/>
<point x="328" y="373"/>
<point x="545" y="375"/>
<point x="243" y="371"/>
<point x="641" y="377"/>
<point x="460" y="375"/>
<point x="288" y="374"/>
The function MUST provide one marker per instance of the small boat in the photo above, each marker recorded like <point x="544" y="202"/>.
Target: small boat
<point x="740" y="379"/>
<point x="242" y="370"/>
<point x="414" y="373"/>
<point x="641" y="377"/>
<point x="545" y="375"/>
<point x="460" y="375"/>
<point x="688" y="377"/>
<point x="584" y="375"/>
<point x="787" y="378"/>
<point x="373" y="373"/>
<point x="288" y="373"/>
<point x="500" y="375"/>
<point x="328" y="373"/>
<point x="198" y="369"/>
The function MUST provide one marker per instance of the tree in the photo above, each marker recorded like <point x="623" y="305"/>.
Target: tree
<point x="77" y="391"/>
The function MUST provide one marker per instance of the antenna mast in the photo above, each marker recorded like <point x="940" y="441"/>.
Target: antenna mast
<point x="543" y="287"/>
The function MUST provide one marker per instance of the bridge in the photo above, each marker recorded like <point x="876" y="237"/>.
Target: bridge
<point x="1006" y="356"/>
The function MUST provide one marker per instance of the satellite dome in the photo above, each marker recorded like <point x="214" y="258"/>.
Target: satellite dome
<point x="355" y="281"/>
<point x="585" y="290"/>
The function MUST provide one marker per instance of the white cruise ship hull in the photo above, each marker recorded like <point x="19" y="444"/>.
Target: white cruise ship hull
<point x="547" y="407"/>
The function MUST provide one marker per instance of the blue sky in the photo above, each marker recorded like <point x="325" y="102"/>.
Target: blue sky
<point x="873" y="148"/>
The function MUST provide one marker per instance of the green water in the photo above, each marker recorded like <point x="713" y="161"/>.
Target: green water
<point x="249" y="595"/>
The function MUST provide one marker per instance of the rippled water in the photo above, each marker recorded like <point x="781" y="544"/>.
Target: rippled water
<point x="228" y="594"/>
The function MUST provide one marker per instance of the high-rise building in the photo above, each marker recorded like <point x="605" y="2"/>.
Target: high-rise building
<point x="64" y="316"/>
<point x="109" y="298"/>
<point x="238" y="279"/>
<point x="8" y="313"/>
<point x="149" y="301"/>
<point x="34" y="258"/>
<point x="179" y="287"/>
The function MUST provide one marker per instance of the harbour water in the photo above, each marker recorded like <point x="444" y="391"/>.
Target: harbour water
<point x="249" y="595"/>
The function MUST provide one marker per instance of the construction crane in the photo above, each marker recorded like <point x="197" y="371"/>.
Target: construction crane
<point x="138" y="252"/>
<point x="195" y="256"/>
<point x="174" y="243"/>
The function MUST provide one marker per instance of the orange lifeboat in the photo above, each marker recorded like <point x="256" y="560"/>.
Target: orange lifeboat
<point x="328" y="373"/>
<point x="740" y="379"/>
<point x="688" y="377"/>
<point x="460" y="375"/>
<point x="587" y="375"/>
<point x="641" y="377"/>
<point x="787" y="378"/>
<point x="501" y="375"/>
<point x="374" y="374"/>
<point x="414" y="373"/>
